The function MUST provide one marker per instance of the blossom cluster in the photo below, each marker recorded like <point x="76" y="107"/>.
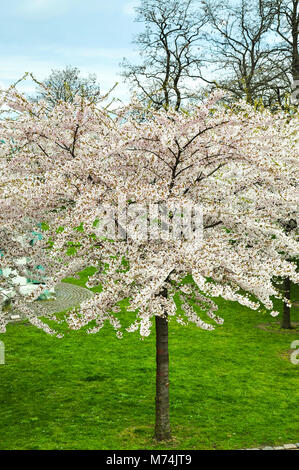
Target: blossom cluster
<point x="61" y="167"/>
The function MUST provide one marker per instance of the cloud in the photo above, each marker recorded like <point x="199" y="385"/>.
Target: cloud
<point x="59" y="7"/>
<point x="109" y="53"/>
<point x="50" y="8"/>
<point x="37" y="4"/>
<point x="13" y="68"/>
<point x="129" y="8"/>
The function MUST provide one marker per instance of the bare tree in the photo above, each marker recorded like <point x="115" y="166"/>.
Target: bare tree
<point x="243" y="48"/>
<point x="171" y="52"/>
<point x="287" y="27"/>
<point x="65" y="85"/>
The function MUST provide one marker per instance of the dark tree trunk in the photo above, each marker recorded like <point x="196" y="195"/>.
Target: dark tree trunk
<point x="162" y="429"/>
<point x="286" y="316"/>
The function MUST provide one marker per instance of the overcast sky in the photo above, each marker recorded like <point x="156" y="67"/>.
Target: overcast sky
<point x="93" y="35"/>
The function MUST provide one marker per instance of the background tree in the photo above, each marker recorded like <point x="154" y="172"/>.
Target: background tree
<point x="291" y="229"/>
<point x="250" y="65"/>
<point x="171" y="52"/>
<point x="66" y="84"/>
<point x="287" y="27"/>
<point x="245" y="42"/>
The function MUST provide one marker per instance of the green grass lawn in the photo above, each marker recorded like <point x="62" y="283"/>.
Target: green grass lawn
<point x="231" y="388"/>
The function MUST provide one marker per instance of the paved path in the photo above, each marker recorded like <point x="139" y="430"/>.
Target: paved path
<point x="282" y="447"/>
<point x="67" y="296"/>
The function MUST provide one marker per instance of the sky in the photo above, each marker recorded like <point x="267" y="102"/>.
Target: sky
<point x="40" y="35"/>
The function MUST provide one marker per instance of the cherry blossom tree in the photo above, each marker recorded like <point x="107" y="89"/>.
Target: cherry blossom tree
<point x="291" y="229"/>
<point x="135" y="181"/>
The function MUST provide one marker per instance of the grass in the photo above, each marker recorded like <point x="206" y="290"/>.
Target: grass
<point x="231" y="388"/>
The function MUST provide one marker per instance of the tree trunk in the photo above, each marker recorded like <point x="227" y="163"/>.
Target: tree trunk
<point x="286" y="316"/>
<point x="162" y="429"/>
